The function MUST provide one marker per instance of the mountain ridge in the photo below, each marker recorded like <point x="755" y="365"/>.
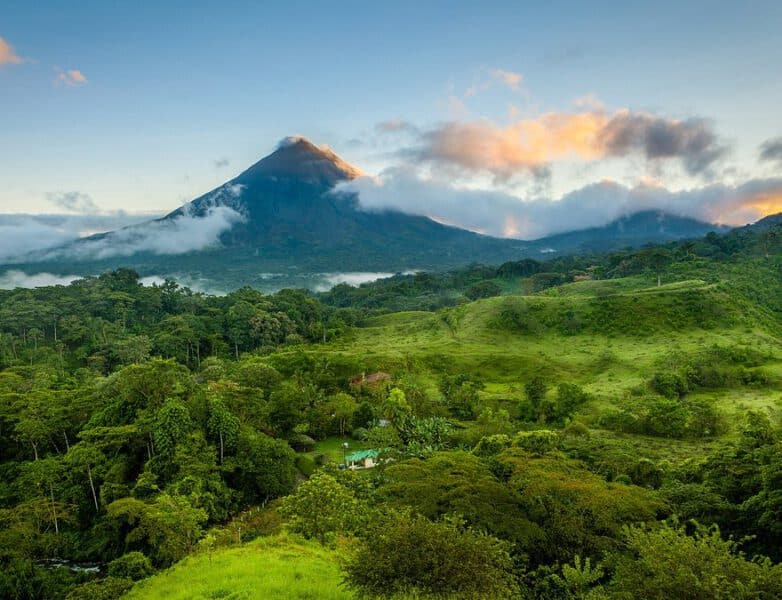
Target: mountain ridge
<point x="283" y="215"/>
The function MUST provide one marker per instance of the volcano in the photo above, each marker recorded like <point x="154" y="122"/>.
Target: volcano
<point x="286" y="214"/>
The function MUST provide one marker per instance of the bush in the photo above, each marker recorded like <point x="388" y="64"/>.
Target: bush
<point x="483" y="289"/>
<point x="133" y="565"/>
<point x="109" y="588"/>
<point x="576" y="429"/>
<point x="646" y="474"/>
<point x="538" y="442"/>
<point x="664" y="562"/>
<point x="667" y="417"/>
<point x="407" y="555"/>
<point x="491" y="445"/>
<point x="670" y="385"/>
<point x="305" y="464"/>
<point x="360" y="433"/>
<point x="301" y="442"/>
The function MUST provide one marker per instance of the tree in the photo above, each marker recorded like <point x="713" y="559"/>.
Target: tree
<point x="222" y="425"/>
<point x="665" y="562"/>
<point x="413" y="556"/>
<point x="656" y="259"/>
<point x="172" y="423"/>
<point x="168" y="528"/>
<point x="263" y="468"/>
<point x="535" y="392"/>
<point x="321" y="507"/>
<point x="461" y="395"/>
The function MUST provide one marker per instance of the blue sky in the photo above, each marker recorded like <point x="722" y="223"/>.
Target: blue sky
<point x="141" y="107"/>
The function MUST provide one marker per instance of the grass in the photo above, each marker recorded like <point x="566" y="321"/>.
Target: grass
<point x="332" y="447"/>
<point x="273" y="568"/>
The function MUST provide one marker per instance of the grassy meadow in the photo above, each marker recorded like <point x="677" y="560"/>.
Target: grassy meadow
<point x="273" y="568"/>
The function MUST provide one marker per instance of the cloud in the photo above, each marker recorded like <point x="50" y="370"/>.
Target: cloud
<point x="501" y="214"/>
<point x="529" y="144"/>
<point x="22" y="234"/>
<point x="13" y="279"/>
<point x="74" y="202"/>
<point x="488" y="79"/>
<point x="508" y="78"/>
<point x="178" y="235"/>
<point x="771" y="150"/>
<point x="71" y="77"/>
<point x="221" y="163"/>
<point x="7" y="54"/>
<point x="187" y="230"/>
<point x="692" y="140"/>
<point x="396" y="126"/>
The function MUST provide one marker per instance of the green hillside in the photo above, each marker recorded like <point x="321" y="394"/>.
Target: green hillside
<point x="275" y="568"/>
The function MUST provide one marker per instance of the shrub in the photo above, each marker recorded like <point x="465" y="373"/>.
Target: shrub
<point x="491" y="445"/>
<point x="670" y="385"/>
<point x="305" y="464"/>
<point x="576" y="429"/>
<point x="646" y="474"/>
<point x="483" y="289"/>
<point x="663" y="562"/>
<point x="537" y="442"/>
<point x="301" y="442"/>
<point x="133" y="565"/>
<point x="407" y="555"/>
<point x="360" y="433"/>
<point x="109" y="588"/>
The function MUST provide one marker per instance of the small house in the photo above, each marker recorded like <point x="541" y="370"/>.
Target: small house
<point x="363" y="459"/>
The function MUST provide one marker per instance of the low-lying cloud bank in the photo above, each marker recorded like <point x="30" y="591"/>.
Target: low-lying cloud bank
<point x="22" y="234"/>
<point x="19" y="279"/>
<point x="183" y="233"/>
<point x="15" y="278"/>
<point x="26" y="238"/>
<point x="501" y="214"/>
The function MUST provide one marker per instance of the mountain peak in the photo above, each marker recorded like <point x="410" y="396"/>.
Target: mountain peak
<point x="299" y="158"/>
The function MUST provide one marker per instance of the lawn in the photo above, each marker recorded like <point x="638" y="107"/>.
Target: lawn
<point x="332" y="447"/>
<point x="273" y="568"/>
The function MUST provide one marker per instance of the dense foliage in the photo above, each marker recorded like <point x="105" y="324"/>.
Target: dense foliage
<point x="140" y="425"/>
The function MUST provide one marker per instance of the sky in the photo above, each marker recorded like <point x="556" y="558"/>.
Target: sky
<point x="513" y="118"/>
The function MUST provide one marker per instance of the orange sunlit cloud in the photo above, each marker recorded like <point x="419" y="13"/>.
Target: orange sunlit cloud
<point x="7" y="54"/>
<point x="588" y="135"/>
<point x="524" y="144"/>
<point x="765" y="204"/>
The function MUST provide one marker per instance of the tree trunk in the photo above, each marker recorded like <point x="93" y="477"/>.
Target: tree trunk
<point x="35" y="450"/>
<point x="236" y="349"/>
<point x="54" y="511"/>
<point x="92" y="487"/>
<point x="67" y="443"/>
<point x="659" y="280"/>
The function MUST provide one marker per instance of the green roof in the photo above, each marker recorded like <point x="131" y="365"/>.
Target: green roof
<point x="361" y="455"/>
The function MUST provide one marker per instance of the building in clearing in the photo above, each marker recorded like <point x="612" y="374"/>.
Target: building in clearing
<point x="363" y="459"/>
